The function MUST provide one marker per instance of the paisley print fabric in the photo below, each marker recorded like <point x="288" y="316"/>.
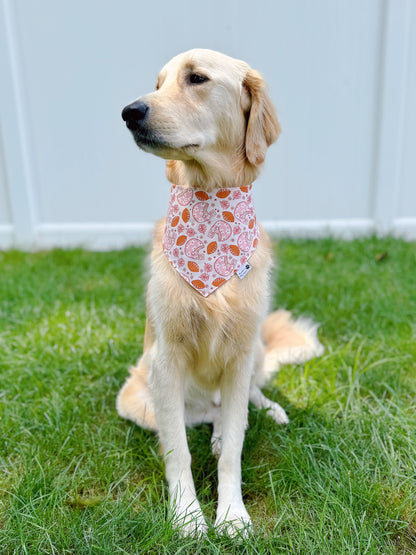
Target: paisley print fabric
<point x="209" y="236"/>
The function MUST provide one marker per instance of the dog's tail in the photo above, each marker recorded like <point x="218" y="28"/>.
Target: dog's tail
<point x="288" y="341"/>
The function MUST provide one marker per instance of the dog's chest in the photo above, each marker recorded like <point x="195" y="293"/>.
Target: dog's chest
<point x="209" y="340"/>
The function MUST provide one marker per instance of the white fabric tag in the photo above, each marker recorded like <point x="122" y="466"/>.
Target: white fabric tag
<point x="244" y="270"/>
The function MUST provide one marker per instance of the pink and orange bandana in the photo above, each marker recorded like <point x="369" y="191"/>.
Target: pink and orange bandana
<point x="210" y="236"/>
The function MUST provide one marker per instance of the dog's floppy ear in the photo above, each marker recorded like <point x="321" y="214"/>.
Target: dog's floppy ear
<point x="263" y="127"/>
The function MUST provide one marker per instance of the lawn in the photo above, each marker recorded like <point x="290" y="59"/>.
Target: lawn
<point x="340" y="478"/>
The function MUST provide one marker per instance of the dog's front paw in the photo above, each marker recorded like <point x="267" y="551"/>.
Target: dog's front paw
<point x="278" y="414"/>
<point x="234" y="521"/>
<point x="188" y="520"/>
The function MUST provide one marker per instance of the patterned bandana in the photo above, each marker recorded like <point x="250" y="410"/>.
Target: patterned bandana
<point x="210" y="236"/>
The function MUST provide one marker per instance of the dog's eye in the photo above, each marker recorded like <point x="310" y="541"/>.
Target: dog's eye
<point x="197" y="78"/>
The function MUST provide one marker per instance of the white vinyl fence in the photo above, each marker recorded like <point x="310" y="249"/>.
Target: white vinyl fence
<point x="342" y="74"/>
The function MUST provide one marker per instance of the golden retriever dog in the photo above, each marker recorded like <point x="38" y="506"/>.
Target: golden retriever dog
<point x="207" y="353"/>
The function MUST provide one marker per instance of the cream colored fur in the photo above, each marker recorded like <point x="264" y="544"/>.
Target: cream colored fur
<point x="204" y="358"/>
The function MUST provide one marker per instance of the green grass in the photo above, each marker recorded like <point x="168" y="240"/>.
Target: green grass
<point x="340" y="478"/>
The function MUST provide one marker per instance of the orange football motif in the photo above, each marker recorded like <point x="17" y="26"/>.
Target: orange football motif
<point x="186" y="215"/>
<point x="223" y="193"/>
<point x="234" y="250"/>
<point x="251" y="224"/>
<point x="198" y="283"/>
<point x="193" y="266"/>
<point x="201" y="195"/>
<point x="244" y="188"/>
<point x="175" y="221"/>
<point x="228" y="216"/>
<point x="218" y="281"/>
<point x="255" y="243"/>
<point x="212" y="247"/>
<point x="181" y="240"/>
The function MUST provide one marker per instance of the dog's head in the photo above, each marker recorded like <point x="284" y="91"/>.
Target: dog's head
<point x="209" y="111"/>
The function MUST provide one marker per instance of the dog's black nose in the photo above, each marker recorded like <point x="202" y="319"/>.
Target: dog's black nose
<point x="134" y="113"/>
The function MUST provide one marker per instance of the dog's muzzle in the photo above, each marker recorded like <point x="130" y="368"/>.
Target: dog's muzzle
<point x="135" y="114"/>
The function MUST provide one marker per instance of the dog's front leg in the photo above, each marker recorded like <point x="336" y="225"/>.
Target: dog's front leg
<point x="167" y="383"/>
<point x="232" y="516"/>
